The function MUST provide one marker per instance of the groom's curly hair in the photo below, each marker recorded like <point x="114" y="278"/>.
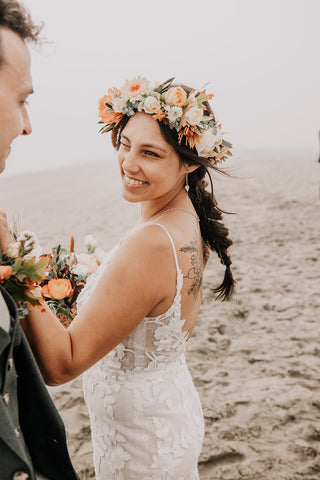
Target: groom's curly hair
<point x="15" y="17"/>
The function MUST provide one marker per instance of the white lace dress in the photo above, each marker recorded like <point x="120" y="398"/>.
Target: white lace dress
<point x="145" y="413"/>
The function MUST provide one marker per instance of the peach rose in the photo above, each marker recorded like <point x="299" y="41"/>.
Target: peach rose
<point x="175" y="96"/>
<point x="57" y="288"/>
<point x="5" y="272"/>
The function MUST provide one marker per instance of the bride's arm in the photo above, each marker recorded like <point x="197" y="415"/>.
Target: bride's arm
<point x="139" y="277"/>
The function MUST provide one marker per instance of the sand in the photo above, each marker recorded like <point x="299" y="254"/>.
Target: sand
<point x="256" y="359"/>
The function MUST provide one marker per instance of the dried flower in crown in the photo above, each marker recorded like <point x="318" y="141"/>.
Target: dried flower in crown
<point x="186" y="113"/>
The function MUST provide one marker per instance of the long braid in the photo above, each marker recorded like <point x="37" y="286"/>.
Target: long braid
<point x="214" y="233"/>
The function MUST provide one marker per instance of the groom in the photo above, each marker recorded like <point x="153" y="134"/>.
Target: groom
<point x="32" y="436"/>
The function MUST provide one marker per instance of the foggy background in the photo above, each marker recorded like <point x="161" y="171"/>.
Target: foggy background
<point x="260" y="58"/>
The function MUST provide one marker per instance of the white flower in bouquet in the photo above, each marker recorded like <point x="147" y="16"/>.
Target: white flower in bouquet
<point x="29" y="245"/>
<point x="35" y="252"/>
<point x="100" y="254"/>
<point x="87" y="260"/>
<point x="80" y="269"/>
<point x="13" y="249"/>
<point x="90" y="243"/>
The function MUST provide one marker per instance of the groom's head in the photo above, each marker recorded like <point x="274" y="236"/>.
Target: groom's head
<point x="15" y="78"/>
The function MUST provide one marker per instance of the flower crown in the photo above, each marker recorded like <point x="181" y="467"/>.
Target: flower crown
<point x="186" y="113"/>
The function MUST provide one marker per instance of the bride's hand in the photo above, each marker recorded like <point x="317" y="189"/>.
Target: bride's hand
<point x="5" y="237"/>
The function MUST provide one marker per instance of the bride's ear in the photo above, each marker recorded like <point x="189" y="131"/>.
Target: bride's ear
<point x="191" y="168"/>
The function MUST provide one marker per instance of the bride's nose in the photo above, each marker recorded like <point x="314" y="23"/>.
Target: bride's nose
<point x="130" y="162"/>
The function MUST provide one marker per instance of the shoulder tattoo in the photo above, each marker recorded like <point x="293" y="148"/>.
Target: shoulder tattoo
<point x="195" y="272"/>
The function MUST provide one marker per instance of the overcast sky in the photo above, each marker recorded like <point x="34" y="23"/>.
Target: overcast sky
<point x="260" y="57"/>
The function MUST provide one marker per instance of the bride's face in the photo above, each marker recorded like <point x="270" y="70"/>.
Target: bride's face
<point x="150" y="167"/>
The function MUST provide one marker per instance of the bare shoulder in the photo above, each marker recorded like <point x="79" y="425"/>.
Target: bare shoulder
<point x="147" y="252"/>
<point x="145" y="263"/>
<point x="146" y="240"/>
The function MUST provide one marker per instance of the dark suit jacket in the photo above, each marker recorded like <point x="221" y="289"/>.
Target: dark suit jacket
<point x="32" y="434"/>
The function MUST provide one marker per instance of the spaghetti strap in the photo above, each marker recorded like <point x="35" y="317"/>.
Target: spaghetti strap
<point x="173" y="245"/>
<point x="179" y="281"/>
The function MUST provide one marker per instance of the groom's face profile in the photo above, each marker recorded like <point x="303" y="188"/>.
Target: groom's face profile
<point x="15" y="87"/>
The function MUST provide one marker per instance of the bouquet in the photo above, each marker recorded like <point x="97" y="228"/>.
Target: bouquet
<point x="67" y="275"/>
<point x="57" y="278"/>
<point x="22" y="269"/>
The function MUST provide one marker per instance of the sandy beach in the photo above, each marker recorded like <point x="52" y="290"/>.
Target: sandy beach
<point x="256" y="359"/>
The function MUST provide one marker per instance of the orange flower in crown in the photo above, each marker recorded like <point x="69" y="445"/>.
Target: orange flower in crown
<point x="183" y="112"/>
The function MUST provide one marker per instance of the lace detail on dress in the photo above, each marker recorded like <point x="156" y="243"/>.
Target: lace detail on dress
<point x="145" y="412"/>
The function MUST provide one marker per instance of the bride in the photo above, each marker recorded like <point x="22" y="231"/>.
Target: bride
<point x="137" y="312"/>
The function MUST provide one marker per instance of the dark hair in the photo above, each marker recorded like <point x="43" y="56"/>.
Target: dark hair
<point x="15" y="17"/>
<point x="213" y="231"/>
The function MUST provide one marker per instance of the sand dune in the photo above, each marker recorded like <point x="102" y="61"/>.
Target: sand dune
<point x="255" y="360"/>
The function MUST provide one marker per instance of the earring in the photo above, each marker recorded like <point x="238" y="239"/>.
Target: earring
<point x="187" y="187"/>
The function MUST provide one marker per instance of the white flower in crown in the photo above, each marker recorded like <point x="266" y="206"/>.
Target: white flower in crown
<point x="151" y="104"/>
<point x="207" y="141"/>
<point x="174" y="113"/>
<point x="193" y="116"/>
<point x="185" y="112"/>
<point x="135" y="88"/>
<point x="119" y="103"/>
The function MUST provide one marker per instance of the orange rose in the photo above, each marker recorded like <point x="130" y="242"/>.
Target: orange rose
<point x="108" y="116"/>
<point x="57" y="288"/>
<point x="102" y="101"/>
<point x="5" y="272"/>
<point x="176" y="96"/>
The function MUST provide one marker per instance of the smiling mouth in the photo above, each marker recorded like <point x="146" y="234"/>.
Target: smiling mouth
<point x="132" y="181"/>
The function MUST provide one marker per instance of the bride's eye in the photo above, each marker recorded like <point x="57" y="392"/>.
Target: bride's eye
<point x="152" y="154"/>
<point x="124" y="145"/>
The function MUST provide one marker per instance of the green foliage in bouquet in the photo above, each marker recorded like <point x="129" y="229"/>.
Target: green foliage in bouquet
<point x="21" y="280"/>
